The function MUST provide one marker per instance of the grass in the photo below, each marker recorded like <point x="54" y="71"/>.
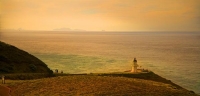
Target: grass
<point x="94" y="84"/>
<point x="26" y="76"/>
<point x="145" y="75"/>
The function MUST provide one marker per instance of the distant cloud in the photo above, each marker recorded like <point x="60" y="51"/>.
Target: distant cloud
<point x="91" y="11"/>
<point x="94" y="15"/>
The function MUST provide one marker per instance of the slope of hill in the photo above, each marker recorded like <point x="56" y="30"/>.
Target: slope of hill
<point x="14" y="60"/>
<point x="88" y="85"/>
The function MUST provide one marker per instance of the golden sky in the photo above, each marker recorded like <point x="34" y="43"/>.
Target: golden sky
<point x="97" y="15"/>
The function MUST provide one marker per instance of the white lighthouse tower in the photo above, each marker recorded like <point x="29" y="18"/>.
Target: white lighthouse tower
<point x="134" y="66"/>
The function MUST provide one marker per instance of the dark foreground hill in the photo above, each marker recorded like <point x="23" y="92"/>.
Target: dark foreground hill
<point x="14" y="60"/>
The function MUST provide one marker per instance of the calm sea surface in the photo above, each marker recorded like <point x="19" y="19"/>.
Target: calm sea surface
<point x="173" y="55"/>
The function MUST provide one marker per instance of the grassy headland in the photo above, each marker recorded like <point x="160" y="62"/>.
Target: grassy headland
<point x="95" y="84"/>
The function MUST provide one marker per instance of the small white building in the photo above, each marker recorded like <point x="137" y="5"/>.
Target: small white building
<point x="134" y="66"/>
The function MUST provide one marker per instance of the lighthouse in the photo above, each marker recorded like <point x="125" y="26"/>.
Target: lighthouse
<point x="134" y="66"/>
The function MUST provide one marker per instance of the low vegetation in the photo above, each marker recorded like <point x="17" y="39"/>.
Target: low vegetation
<point x="27" y="76"/>
<point x="94" y="85"/>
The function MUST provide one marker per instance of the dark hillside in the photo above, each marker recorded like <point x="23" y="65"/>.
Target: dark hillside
<point x="14" y="60"/>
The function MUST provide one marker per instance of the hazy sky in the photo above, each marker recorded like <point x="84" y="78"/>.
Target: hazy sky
<point x="97" y="15"/>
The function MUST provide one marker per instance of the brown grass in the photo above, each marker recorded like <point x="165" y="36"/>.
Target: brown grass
<point x="93" y="85"/>
<point x="4" y="91"/>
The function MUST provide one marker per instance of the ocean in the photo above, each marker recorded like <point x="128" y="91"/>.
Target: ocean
<point x="172" y="55"/>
